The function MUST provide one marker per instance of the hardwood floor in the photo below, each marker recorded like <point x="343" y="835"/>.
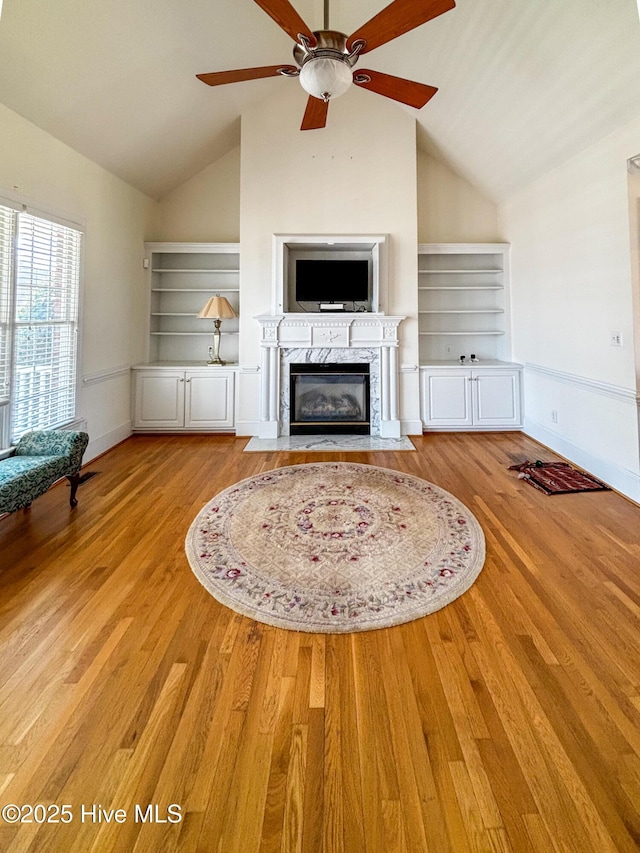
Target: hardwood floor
<point x="508" y="721"/>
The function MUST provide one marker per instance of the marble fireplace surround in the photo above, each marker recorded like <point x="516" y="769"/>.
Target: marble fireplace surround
<point x="347" y="338"/>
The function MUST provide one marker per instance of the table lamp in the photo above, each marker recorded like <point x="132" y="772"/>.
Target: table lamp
<point x="217" y="309"/>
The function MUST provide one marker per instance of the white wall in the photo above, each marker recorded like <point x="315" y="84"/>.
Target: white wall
<point x="571" y="287"/>
<point x="571" y="255"/>
<point x="450" y="209"/>
<point x="358" y="176"/>
<point x="38" y="168"/>
<point x="634" y="224"/>
<point x="205" y="209"/>
<point x="314" y="182"/>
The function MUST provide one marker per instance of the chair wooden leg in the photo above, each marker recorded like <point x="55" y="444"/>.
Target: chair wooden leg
<point x="74" y="481"/>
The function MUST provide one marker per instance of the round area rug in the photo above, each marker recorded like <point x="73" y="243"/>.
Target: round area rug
<point x="335" y="547"/>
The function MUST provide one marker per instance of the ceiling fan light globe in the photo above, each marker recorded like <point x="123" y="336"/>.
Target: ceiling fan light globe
<point x="325" y="77"/>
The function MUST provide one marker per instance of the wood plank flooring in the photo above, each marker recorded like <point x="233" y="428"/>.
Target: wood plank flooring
<point x="508" y="721"/>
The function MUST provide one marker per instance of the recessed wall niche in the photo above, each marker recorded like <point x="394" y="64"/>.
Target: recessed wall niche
<point x="288" y="248"/>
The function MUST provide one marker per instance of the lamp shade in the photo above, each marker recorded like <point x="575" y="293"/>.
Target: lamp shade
<point x="217" y="308"/>
<point x="325" y="77"/>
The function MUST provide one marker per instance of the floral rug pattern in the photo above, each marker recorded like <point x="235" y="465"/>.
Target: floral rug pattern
<point x="335" y="547"/>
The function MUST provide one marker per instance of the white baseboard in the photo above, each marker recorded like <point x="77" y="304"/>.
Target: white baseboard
<point x="247" y="428"/>
<point x="100" y="445"/>
<point x="411" y="427"/>
<point x="621" y="479"/>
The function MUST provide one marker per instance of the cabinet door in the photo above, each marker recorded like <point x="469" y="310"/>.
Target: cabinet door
<point x="209" y="399"/>
<point x="496" y="398"/>
<point x="446" y="396"/>
<point x="159" y="399"/>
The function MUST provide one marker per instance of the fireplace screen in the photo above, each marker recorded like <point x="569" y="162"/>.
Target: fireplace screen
<point x="329" y="398"/>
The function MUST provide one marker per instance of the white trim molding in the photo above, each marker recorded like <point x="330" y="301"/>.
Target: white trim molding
<point x="621" y="479"/>
<point x="411" y="427"/>
<point x="595" y="426"/>
<point x="99" y="445"/>
<point x="105" y="375"/>
<point x="616" y="391"/>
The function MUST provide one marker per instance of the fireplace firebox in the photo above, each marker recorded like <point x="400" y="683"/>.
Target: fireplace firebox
<point x="329" y="398"/>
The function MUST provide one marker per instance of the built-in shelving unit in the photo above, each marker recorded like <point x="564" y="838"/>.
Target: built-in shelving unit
<point x="463" y="304"/>
<point x="182" y="277"/>
<point x="463" y="310"/>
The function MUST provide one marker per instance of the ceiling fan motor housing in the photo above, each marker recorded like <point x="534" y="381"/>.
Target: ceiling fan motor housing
<point x="325" y="68"/>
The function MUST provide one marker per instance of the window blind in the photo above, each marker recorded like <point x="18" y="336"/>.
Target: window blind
<point x="45" y="324"/>
<point x="7" y="221"/>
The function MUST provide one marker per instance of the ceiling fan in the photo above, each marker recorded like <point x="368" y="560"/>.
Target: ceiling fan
<point x="325" y="58"/>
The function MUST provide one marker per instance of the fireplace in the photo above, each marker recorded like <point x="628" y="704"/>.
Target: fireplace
<point x="318" y="339"/>
<point x="329" y="398"/>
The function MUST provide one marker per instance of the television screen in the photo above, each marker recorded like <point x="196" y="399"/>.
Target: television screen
<point x="332" y="280"/>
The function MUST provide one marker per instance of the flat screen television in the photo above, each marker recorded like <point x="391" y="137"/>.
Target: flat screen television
<point x="332" y="280"/>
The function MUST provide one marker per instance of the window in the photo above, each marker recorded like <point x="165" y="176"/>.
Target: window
<point x="39" y="288"/>
<point x="7" y="222"/>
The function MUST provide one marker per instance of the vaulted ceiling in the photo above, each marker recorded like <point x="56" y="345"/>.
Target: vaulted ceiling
<point x="523" y="84"/>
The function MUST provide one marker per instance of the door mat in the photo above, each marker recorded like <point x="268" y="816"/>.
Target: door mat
<point x="557" y="478"/>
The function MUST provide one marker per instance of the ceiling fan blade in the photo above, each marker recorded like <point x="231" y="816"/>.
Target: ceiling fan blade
<point x="287" y="18"/>
<point x="219" y="78"/>
<point x="398" y="18"/>
<point x="315" y="115"/>
<point x="406" y="91"/>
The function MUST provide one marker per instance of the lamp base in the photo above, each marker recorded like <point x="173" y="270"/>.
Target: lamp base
<point x="214" y="351"/>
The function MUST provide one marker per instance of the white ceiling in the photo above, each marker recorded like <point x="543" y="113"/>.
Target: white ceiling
<point x="523" y="83"/>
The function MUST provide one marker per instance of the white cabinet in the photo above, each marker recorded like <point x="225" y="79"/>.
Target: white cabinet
<point x="182" y="277"/>
<point x="176" y="390"/>
<point x="209" y="400"/>
<point x="175" y="398"/>
<point x="487" y="397"/>
<point x="158" y="399"/>
<point x="463" y="301"/>
<point x="446" y="398"/>
<point x="463" y="310"/>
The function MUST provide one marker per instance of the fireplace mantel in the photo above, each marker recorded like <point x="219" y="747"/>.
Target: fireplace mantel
<point x="329" y="337"/>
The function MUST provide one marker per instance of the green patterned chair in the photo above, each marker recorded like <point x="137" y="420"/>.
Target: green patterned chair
<point x="40" y="458"/>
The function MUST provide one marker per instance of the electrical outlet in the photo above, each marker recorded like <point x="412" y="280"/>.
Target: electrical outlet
<point x="615" y="339"/>
<point x="554" y="416"/>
